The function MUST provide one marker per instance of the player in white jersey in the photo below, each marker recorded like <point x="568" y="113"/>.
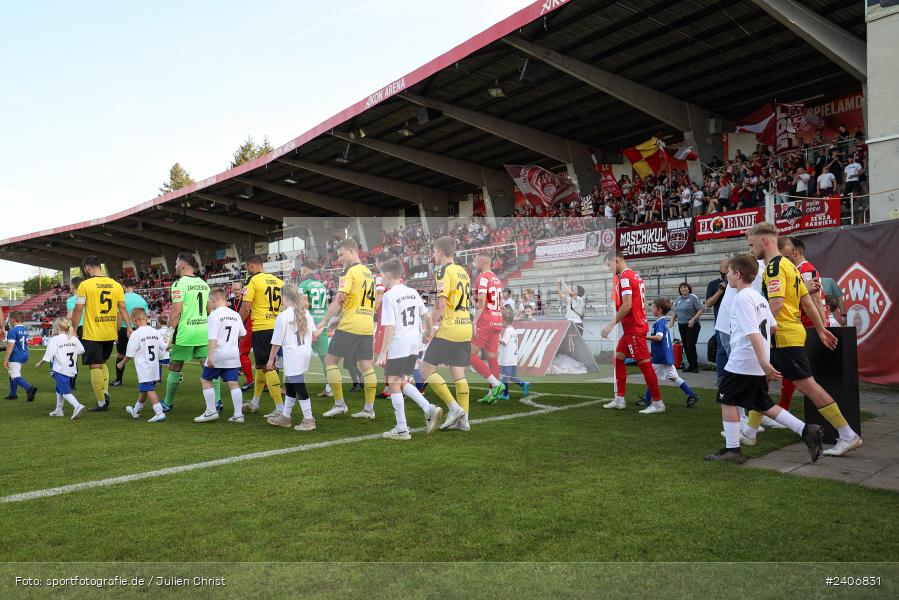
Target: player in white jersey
<point x="62" y="353"/>
<point x="167" y="333"/>
<point x="223" y="356"/>
<point x="144" y="348"/>
<point x="745" y="380"/>
<point x="293" y="336"/>
<point x="402" y="313"/>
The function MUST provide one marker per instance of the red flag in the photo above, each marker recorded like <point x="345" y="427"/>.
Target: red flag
<point x="761" y="123"/>
<point x="608" y="181"/>
<point x="542" y="188"/>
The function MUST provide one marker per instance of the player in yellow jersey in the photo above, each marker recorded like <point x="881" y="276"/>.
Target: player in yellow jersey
<point x="451" y="345"/>
<point x="262" y="301"/>
<point x="786" y="292"/>
<point x="101" y="300"/>
<point x="353" y="340"/>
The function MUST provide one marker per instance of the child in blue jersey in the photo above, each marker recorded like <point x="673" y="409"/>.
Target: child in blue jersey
<point x="663" y="359"/>
<point x="16" y="356"/>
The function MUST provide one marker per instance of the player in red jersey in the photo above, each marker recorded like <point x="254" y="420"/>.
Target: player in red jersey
<point x="488" y="323"/>
<point x="630" y="304"/>
<point x="794" y="249"/>
<point x="245" y="345"/>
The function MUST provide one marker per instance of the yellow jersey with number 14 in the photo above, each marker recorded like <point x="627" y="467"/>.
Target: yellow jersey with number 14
<point x="782" y="280"/>
<point x="101" y="307"/>
<point x="454" y="284"/>
<point x="264" y="295"/>
<point x="358" y="284"/>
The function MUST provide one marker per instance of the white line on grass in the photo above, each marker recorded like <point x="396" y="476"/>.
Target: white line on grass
<point x="87" y="485"/>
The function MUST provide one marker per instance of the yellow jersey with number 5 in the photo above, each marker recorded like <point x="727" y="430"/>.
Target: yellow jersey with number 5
<point x="101" y="307"/>
<point x="264" y="295"/>
<point x="454" y="284"/>
<point x="358" y="284"/>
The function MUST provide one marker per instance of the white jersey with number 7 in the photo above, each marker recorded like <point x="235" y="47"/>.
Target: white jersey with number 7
<point x="226" y="327"/>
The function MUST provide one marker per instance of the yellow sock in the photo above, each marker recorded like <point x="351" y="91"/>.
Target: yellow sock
<point x="274" y="386"/>
<point x="105" y="369"/>
<point x="258" y="383"/>
<point x="462" y="393"/>
<point x="370" y="385"/>
<point x="754" y="419"/>
<point x="834" y="415"/>
<point x="436" y="383"/>
<point x="97" y="384"/>
<point x="335" y="380"/>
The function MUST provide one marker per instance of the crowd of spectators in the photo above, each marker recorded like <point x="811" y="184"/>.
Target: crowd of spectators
<point x="817" y="170"/>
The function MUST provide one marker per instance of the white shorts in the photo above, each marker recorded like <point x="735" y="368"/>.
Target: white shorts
<point x="15" y="370"/>
<point x="665" y="371"/>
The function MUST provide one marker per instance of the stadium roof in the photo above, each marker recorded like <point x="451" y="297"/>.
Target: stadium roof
<point x="727" y="57"/>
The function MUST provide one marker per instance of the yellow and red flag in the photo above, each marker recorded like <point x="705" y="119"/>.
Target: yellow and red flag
<point x="646" y="158"/>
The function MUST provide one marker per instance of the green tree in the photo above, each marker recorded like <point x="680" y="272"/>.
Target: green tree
<point x="40" y="283"/>
<point x="250" y="150"/>
<point x="178" y="178"/>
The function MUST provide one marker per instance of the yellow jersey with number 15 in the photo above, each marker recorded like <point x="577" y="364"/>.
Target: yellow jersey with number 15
<point x="782" y="280"/>
<point x="358" y="284"/>
<point x="454" y="284"/>
<point x="263" y="292"/>
<point x="101" y="307"/>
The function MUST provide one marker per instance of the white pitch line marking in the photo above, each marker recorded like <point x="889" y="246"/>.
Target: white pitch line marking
<point x="87" y="485"/>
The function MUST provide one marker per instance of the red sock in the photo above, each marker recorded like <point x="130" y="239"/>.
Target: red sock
<point x="652" y="381"/>
<point x="480" y="366"/>
<point x="247" y="367"/>
<point x="787" y="388"/>
<point x="620" y="378"/>
<point x="493" y="363"/>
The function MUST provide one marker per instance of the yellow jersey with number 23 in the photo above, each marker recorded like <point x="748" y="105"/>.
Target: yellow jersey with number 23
<point x="358" y="284"/>
<point x="264" y="295"/>
<point x="454" y="284"/>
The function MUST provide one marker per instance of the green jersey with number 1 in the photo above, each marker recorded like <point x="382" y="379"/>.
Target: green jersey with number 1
<point x="192" y="329"/>
<point x="317" y="293"/>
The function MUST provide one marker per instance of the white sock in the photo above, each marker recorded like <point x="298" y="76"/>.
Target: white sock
<point x="658" y="403"/>
<point x="306" y="407"/>
<point x="287" y="408"/>
<point x="157" y="408"/>
<point x="209" y="397"/>
<point x="731" y="435"/>
<point x="846" y="432"/>
<point x="412" y="392"/>
<point x="237" y="401"/>
<point x="453" y="406"/>
<point x="369" y="407"/>
<point x="328" y="388"/>
<point x="493" y="381"/>
<point x="788" y="420"/>
<point x="70" y="398"/>
<point x="255" y="402"/>
<point x="619" y="399"/>
<point x="138" y="406"/>
<point x="399" y="408"/>
<point x="742" y="412"/>
<point x="59" y="401"/>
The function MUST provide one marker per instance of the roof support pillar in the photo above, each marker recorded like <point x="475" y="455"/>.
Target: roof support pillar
<point x="843" y="48"/>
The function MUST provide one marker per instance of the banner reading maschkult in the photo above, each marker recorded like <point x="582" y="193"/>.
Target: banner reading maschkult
<point x="582" y="245"/>
<point x="657" y="239"/>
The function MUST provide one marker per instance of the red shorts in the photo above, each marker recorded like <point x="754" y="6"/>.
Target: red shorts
<point x="486" y="339"/>
<point x="379" y="338"/>
<point x="634" y="345"/>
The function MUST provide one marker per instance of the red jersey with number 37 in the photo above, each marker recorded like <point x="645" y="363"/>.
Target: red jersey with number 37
<point x="631" y="284"/>
<point x="492" y="315"/>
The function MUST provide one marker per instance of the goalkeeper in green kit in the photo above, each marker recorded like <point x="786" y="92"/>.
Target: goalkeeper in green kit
<point x="317" y="299"/>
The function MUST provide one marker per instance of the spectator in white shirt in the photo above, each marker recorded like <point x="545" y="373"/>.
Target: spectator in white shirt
<point x="801" y="181"/>
<point x="826" y="183"/>
<point x="852" y="171"/>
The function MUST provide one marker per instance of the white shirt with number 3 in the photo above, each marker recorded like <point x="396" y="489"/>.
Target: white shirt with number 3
<point x="226" y="327"/>
<point x="62" y="354"/>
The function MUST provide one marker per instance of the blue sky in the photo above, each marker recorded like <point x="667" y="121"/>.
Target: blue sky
<point x="98" y="99"/>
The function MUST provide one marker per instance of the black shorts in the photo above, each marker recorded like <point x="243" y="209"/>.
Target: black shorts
<point x="121" y="345"/>
<point x="96" y="353"/>
<point x="792" y="362"/>
<point x="748" y="391"/>
<point x="351" y="347"/>
<point x="80" y="332"/>
<point x="262" y="346"/>
<point x="400" y="367"/>
<point x="445" y="352"/>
